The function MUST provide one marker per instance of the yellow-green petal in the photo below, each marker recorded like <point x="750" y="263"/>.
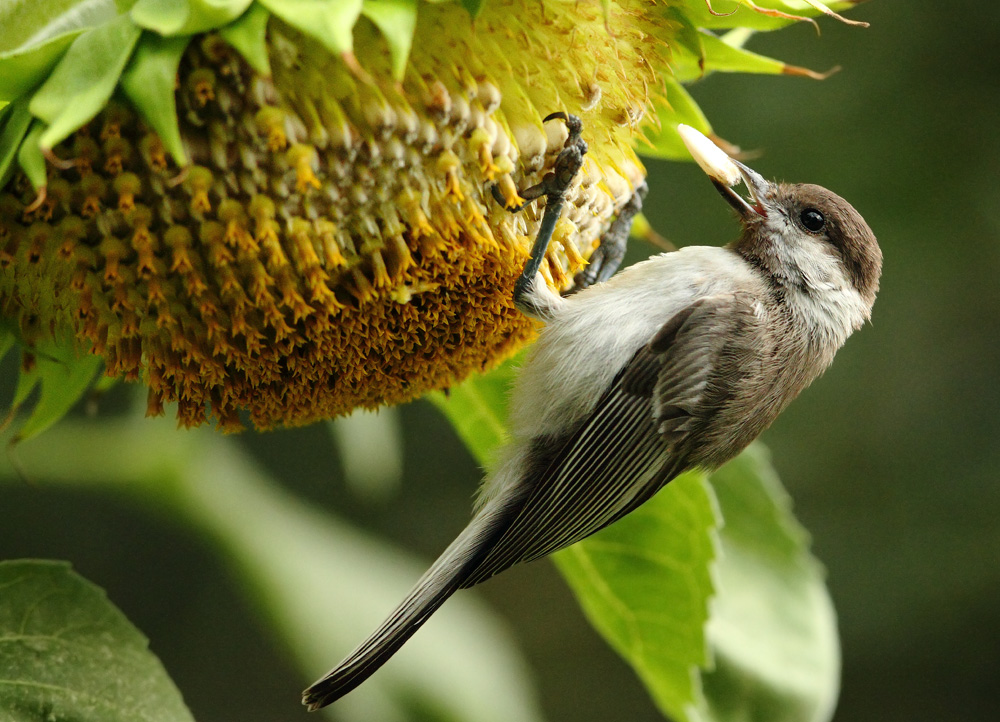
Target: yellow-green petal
<point x="149" y="83"/>
<point x="29" y="23"/>
<point x="396" y="20"/>
<point x="718" y="55"/>
<point x="248" y="34"/>
<point x="22" y="70"/>
<point x="783" y="12"/>
<point x="331" y="23"/>
<point x="14" y="124"/>
<point x="473" y="6"/>
<point x="184" y="17"/>
<point x="84" y="79"/>
<point x="36" y="33"/>
<point x="30" y="157"/>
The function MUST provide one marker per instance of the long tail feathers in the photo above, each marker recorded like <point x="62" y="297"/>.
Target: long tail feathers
<point x="438" y="583"/>
<point x="429" y="594"/>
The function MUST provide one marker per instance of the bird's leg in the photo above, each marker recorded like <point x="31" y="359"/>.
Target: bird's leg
<point x="604" y="261"/>
<point x="553" y="186"/>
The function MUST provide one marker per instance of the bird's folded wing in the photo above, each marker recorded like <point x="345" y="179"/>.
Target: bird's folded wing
<point x="634" y="441"/>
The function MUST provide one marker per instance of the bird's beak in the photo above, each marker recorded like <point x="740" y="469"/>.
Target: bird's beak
<point x="726" y="172"/>
<point x="758" y="188"/>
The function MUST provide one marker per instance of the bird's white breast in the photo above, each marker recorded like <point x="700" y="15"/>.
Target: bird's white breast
<point x="594" y="333"/>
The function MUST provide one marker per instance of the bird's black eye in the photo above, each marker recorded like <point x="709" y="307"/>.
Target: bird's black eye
<point x="812" y="219"/>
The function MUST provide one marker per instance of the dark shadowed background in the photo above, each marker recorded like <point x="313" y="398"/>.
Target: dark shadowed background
<point x="892" y="457"/>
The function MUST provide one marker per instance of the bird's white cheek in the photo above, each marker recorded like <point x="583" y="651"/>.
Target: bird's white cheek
<point x="828" y="301"/>
<point x="777" y="223"/>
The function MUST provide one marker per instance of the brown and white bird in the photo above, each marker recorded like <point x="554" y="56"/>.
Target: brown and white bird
<point x="677" y="362"/>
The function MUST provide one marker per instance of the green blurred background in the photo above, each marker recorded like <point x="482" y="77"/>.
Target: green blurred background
<point x="891" y="457"/>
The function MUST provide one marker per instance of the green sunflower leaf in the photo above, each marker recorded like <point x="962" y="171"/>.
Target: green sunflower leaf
<point x="83" y="81"/>
<point x="26" y="383"/>
<point x="68" y="653"/>
<point x="773" y="630"/>
<point x="737" y="37"/>
<point x="185" y="17"/>
<point x="396" y="20"/>
<point x="161" y="16"/>
<point x="331" y="23"/>
<point x="645" y="583"/>
<point x="8" y="342"/>
<point x="680" y="108"/>
<point x="7" y="339"/>
<point x="62" y="376"/>
<point x="36" y="33"/>
<point x="149" y="82"/>
<point x="248" y="34"/>
<point x="477" y="409"/>
<point x="296" y="563"/>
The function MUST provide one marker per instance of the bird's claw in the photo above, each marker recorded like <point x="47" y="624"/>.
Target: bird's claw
<point x="553" y="186"/>
<point x="557" y="181"/>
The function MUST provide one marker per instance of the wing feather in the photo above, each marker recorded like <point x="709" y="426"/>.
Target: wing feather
<point x="636" y="439"/>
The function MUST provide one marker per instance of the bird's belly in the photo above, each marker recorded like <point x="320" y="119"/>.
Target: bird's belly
<point x="596" y="332"/>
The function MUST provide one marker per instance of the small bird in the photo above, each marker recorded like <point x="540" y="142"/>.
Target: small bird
<point x="677" y="362"/>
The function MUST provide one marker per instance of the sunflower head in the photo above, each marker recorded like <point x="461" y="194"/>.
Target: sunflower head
<point x="291" y="214"/>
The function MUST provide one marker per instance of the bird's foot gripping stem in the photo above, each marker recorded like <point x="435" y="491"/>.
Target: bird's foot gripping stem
<point x="609" y="254"/>
<point x="553" y="186"/>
